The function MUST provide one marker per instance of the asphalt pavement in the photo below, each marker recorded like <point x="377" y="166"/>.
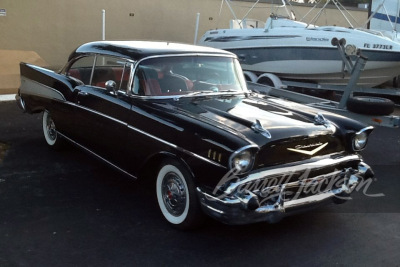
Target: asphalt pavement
<point x="64" y="208"/>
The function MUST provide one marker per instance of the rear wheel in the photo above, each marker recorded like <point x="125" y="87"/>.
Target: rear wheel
<point x="50" y="132"/>
<point x="176" y="195"/>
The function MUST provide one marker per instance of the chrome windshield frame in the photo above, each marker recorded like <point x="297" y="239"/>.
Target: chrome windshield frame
<point x="136" y="64"/>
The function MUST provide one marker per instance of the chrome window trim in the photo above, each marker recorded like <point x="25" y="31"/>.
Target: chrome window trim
<point x="127" y="61"/>
<point x="137" y="63"/>
<point x="122" y="75"/>
<point x="92" y="73"/>
<point x="69" y="64"/>
<point x="177" y="97"/>
<point x="130" y="82"/>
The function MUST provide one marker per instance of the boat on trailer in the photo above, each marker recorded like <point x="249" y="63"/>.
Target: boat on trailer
<point x="299" y="51"/>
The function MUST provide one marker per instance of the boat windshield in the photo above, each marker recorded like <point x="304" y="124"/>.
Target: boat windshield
<point x="188" y="76"/>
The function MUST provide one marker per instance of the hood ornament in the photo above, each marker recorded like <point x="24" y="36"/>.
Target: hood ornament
<point x="319" y="119"/>
<point x="257" y="127"/>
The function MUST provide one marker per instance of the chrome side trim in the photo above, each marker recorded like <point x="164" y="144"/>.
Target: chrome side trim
<point x="97" y="156"/>
<point x="150" y="135"/>
<point x="34" y="88"/>
<point x="124" y="123"/>
<point x="149" y="115"/>
<point x="98" y="113"/>
<point x="175" y="146"/>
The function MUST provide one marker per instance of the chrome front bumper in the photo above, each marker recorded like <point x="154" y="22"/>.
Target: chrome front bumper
<point x="234" y="207"/>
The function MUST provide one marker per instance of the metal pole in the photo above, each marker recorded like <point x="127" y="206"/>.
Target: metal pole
<point x="397" y="17"/>
<point x="197" y="28"/>
<point x="355" y="75"/>
<point x="104" y="25"/>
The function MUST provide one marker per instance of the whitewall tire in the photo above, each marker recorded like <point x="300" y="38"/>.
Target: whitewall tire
<point x="50" y="131"/>
<point x="176" y="196"/>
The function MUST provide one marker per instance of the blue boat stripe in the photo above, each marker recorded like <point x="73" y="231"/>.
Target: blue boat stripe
<point x="384" y="17"/>
<point x="253" y="55"/>
<point x="224" y="39"/>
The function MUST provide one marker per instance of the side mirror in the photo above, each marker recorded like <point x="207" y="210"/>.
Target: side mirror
<point x="111" y="86"/>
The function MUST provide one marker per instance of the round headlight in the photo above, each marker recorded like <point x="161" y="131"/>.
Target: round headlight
<point x="360" y="141"/>
<point x="242" y="161"/>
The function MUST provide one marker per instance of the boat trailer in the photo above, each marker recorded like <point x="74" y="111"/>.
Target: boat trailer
<point x="355" y="69"/>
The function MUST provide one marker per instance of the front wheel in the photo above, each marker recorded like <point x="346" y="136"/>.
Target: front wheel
<point x="176" y="195"/>
<point x="50" y="131"/>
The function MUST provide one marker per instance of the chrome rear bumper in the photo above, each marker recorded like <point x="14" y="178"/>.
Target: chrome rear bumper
<point x="247" y="207"/>
<point x="20" y="102"/>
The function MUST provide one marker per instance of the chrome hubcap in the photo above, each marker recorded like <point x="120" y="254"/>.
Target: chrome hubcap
<point x="51" y="128"/>
<point x="174" y="194"/>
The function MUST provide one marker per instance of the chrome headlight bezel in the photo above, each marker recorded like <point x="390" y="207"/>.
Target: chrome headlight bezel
<point x="243" y="159"/>
<point x="360" y="138"/>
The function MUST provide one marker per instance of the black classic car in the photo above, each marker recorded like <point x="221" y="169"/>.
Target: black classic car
<point x="182" y="116"/>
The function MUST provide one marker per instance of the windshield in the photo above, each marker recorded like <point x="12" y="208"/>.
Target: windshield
<point x="188" y="75"/>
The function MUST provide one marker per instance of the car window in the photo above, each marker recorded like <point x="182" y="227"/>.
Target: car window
<point x="179" y="75"/>
<point x="111" y="68"/>
<point x="81" y="69"/>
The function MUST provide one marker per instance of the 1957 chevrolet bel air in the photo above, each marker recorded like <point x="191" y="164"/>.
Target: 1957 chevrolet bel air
<point x="182" y="116"/>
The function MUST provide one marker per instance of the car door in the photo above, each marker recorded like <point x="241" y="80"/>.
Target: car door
<point x="101" y="113"/>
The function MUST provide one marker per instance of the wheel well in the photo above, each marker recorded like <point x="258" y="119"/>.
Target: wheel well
<point x="270" y="79"/>
<point x="250" y="76"/>
<point x="150" y="168"/>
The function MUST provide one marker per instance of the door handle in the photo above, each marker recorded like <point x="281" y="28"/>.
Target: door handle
<point x="82" y="93"/>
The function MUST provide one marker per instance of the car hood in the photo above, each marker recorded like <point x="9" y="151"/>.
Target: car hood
<point x="242" y="114"/>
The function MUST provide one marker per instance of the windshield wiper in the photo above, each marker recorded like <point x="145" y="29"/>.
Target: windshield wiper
<point x="207" y="92"/>
<point x="230" y="91"/>
<point x="193" y="94"/>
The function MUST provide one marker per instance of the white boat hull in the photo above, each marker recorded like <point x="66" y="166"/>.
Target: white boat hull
<point x="378" y="73"/>
<point x="307" y="53"/>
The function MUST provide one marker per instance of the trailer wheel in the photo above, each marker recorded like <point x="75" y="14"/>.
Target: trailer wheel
<point x="370" y="105"/>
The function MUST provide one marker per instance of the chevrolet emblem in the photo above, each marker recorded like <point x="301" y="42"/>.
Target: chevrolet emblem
<point x="307" y="152"/>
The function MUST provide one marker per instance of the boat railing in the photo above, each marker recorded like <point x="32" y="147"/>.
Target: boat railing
<point x="246" y="24"/>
